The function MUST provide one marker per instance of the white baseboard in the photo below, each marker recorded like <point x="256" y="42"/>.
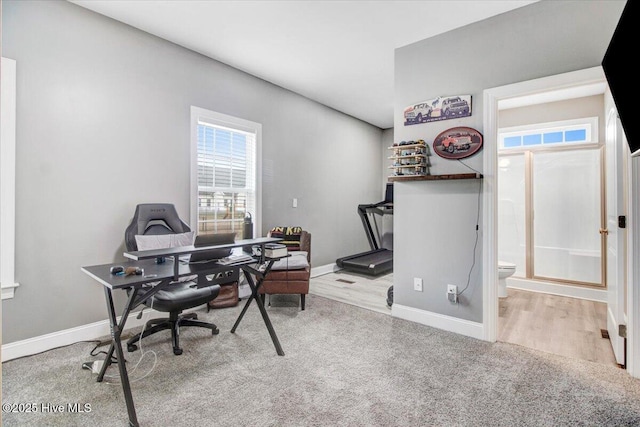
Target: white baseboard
<point x="90" y="332"/>
<point x="101" y="329"/>
<point x="440" y="321"/>
<point x="581" y="292"/>
<point x="324" y="269"/>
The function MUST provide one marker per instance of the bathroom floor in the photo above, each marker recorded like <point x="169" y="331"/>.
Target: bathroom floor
<point x="568" y="327"/>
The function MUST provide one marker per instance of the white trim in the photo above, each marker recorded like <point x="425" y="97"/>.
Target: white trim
<point x="633" y="249"/>
<point x="90" y="332"/>
<point x="218" y="119"/>
<point x="8" y="178"/>
<point x="580" y="292"/>
<point x="8" y="290"/>
<point x="324" y="269"/>
<point x="492" y="96"/>
<point x="547" y="126"/>
<point x="440" y="321"/>
<point x="489" y="218"/>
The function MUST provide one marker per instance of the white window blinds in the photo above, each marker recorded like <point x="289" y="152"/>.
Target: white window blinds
<point x="226" y="178"/>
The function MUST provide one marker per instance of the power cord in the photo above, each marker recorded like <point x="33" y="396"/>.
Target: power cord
<point x="96" y="365"/>
<point x="476" y="171"/>
<point x="94" y="353"/>
<point x="143" y="353"/>
<point x="475" y="245"/>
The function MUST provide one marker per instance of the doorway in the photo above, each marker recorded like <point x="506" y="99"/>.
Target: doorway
<point x="567" y="85"/>
<point x="551" y="211"/>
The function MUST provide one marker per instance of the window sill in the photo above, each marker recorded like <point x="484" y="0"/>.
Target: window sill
<point x="8" y="290"/>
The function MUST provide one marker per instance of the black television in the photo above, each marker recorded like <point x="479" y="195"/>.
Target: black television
<point x="618" y="67"/>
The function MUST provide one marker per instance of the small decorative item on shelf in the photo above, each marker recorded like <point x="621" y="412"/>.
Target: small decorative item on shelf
<point x="410" y="158"/>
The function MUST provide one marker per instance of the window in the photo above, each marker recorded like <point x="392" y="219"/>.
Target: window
<point x="225" y="167"/>
<point x="579" y="131"/>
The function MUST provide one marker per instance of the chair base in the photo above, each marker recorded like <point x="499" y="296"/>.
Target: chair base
<point x="173" y="323"/>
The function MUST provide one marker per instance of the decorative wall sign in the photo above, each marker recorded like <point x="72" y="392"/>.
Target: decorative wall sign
<point x="457" y="143"/>
<point x="440" y="108"/>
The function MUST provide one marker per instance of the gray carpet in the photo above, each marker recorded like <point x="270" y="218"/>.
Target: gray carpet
<point x="344" y="366"/>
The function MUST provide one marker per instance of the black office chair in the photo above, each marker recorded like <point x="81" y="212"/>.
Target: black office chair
<point x="156" y="219"/>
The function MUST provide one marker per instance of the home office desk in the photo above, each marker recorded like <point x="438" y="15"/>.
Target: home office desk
<point x="159" y="276"/>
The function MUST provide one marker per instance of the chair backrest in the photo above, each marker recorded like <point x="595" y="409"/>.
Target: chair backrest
<point x="295" y="238"/>
<point x="153" y="219"/>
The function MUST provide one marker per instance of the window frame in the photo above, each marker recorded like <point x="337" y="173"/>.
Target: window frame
<point x="8" y="179"/>
<point x="591" y="124"/>
<point x="235" y="123"/>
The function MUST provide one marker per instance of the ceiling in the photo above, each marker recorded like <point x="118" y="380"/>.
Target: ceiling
<point x="338" y="53"/>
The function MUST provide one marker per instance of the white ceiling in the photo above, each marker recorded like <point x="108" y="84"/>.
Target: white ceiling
<point x="339" y="53"/>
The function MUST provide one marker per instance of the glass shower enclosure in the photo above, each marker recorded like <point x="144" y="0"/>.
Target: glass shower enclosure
<point x="551" y="213"/>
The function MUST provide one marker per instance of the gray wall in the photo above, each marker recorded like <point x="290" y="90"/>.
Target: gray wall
<point x="103" y="124"/>
<point x="434" y="222"/>
<point x="387" y="141"/>
<point x="386" y="222"/>
<point x="588" y="106"/>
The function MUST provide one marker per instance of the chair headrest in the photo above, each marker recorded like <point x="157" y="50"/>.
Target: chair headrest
<point x="153" y="219"/>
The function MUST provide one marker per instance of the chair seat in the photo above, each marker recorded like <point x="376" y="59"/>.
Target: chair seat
<point x="183" y="294"/>
<point x="293" y="280"/>
<point x="280" y="275"/>
<point x="150" y="222"/>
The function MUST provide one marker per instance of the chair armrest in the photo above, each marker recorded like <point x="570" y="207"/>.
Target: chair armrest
<point x="305" y="244"/>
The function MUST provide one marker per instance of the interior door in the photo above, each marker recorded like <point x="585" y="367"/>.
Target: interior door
<point x="615" y="237"/>
<point x="567" y="215"/>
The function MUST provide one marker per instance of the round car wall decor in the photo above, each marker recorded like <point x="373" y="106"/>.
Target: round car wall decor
<point x="457" y="143"/>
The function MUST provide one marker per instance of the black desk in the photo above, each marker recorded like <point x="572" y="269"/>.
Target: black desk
<point x="164" y="274"/>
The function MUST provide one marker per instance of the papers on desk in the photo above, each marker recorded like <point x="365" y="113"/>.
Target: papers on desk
<point x="235" y="258"/>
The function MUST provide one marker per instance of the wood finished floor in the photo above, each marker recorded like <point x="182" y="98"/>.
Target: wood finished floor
<point x="359" y="290"/>
<point x="568" y="327"/>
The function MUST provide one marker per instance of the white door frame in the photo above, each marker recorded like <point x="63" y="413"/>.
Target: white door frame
<point x="633" y="268"/>
<point x="567" y="81"/>
<point x="616" y="237"/>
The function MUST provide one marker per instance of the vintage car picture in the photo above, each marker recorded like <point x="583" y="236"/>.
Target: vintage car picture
<point x="441" y="108"/>
<point x="457" y="143"/>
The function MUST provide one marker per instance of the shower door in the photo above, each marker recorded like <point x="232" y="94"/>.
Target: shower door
<point x="567" y="211"/>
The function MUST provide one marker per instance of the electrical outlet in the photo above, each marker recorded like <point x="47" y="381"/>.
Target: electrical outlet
<point x="452" y="293"/>
<point x="417" y="284"/>
<point x="295" y="203"/>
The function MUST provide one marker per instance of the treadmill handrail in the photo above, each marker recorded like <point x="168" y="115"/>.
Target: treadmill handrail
<point x="366" y="223"/>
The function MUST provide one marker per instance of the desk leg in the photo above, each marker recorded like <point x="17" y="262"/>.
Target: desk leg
<point x="263" y="311"/>
<point x="117" y="344"/>
<point x="123" y="319"/>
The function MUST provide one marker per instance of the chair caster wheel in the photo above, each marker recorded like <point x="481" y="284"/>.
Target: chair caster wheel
<point x="215" y="331"/>
<point x="131" y="347"/>
<point x="177" y="351"/>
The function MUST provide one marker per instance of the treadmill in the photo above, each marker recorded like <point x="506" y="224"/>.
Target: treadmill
<point x="378" y="260"/>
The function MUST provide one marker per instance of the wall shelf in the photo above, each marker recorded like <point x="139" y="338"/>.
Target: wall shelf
<point x="435" y="177"/>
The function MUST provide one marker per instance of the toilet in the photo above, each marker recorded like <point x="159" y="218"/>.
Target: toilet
<point x="505" y="269"/>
